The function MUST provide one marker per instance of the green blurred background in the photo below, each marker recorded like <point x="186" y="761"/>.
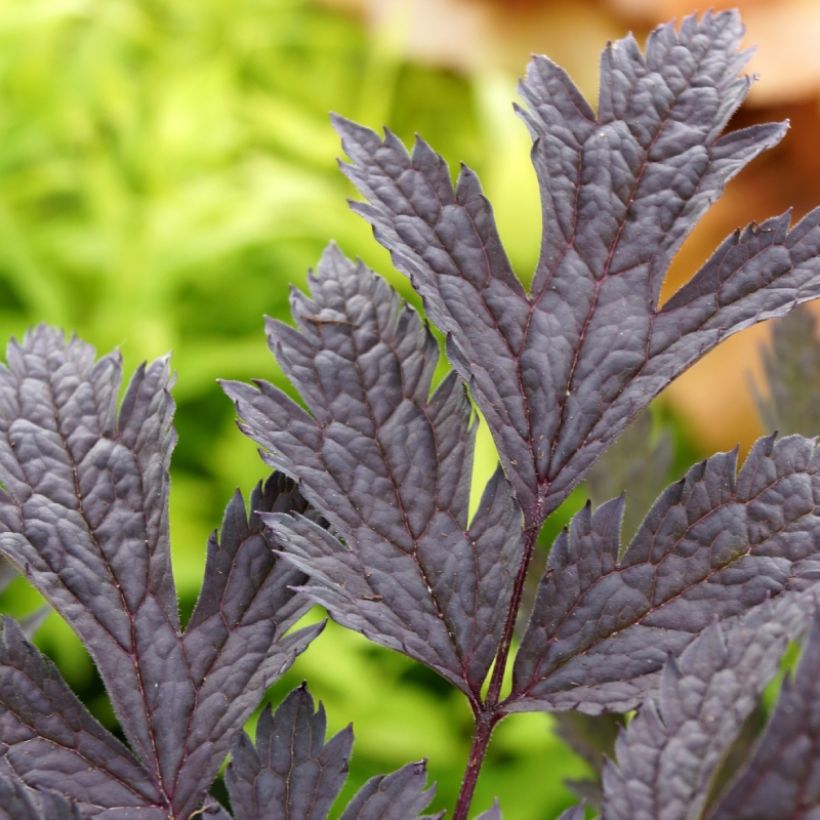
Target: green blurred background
<point x="167" y="169"/>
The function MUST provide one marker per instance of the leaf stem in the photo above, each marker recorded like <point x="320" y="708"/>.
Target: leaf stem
<point x="530" y="535"/>
<point x="484" y="723"/>
<point x="489" y="713"/>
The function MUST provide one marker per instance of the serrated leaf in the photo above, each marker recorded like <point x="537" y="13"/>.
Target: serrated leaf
<point x="290" y="771"/>
<point x="77" y="521"/>
<point x="782" y="779"/>
<point x="48" y="738"/>
<point x="714" y="545"/>
<point x="84" y="515"/>
<point x="792" y="367"/>
<point x="397" y="796"/>
<point x="235" y="640"/>
<point x="670" y="752"/>
<point x="559" y="372"/>
<point x="388" y="465"/>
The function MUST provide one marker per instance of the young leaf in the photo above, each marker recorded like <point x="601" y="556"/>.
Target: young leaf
<point x="713" y="545"/>
<point x="292" y="772"/>
<point x="84" y="515"/>
<point x="792" y="368"/>
<point x="388" y="465"/>
<point x="669" y="753"/>
<point x="559" y="372"/>
<point x="783" y="777"/>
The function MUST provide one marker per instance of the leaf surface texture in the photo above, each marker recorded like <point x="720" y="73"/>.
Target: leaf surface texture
<point x="560" y="370"/>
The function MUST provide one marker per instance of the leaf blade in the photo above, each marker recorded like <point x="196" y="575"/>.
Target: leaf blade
<point x="236" y="642"/>
<point x="396" y="796"/>
<point x="781" y="776"/>
<point x="669" y="753"/>
<point x="620" y="191"/>
<point x="84" y="515"/>
<point x="713" y="545"/>
<point x="74" y="473"/>
<point x="290" y="771"/>
<point x="389" y="467"/>
<point x="48" y="737"/>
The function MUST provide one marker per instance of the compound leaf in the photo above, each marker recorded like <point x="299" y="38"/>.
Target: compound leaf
<point x="388" y="465"/>
<point x="560" y="371"/>
<point x="84" y="515"/>
<point x="713" y="545"/>
<point x="291" y="772"/>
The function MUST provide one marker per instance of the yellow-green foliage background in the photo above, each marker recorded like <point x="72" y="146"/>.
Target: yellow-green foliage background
<point x="166" y="170"/>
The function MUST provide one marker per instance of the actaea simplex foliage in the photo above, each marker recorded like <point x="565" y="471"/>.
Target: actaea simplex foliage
<point x="367" y="513"/>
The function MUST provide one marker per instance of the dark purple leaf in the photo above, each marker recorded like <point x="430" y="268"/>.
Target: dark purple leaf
<point x="31" y="622"/>
<point x="670" y="752"/>
<point x="397" y="796"/>
<point x="792" y="368"/>
<point x="713" y="545"/>
<point x="290" y="771"/>
<point x="573" y="813"/>
<point x="49" y="740"/>
<point x="388" y="465"/>
<point x="559" y="372"/>
<point x="235" y="640"/>
<point x="783" y="777"/>
<point x="84" y="515"/>
<point x="18" y="802"/>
